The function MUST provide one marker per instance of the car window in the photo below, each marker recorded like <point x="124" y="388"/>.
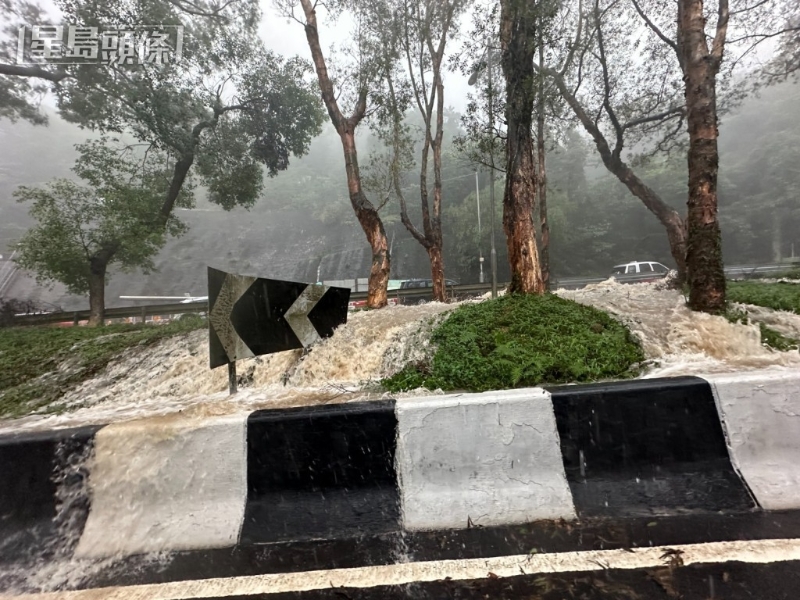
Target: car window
<point x="631" y="269"/>
<point x="659" y="268"/>
<point x="645" y="268"/>
<point x="618" y="271"/>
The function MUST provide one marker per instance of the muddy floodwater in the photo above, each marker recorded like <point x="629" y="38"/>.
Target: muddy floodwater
<point x="173" y="376"/>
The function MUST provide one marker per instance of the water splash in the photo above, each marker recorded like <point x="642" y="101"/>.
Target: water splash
<point x="50" y="565"/>
<point x="680" y="341"/>
<point x="173" y="376"/>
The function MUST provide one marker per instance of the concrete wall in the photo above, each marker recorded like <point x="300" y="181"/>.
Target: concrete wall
<point x="628" y="449"/>
<point x="166" y="483"/>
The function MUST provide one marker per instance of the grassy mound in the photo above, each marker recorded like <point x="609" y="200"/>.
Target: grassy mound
<point x="778" y="296"/>
<point x="39" y="364"/>
<point x="520" y="341"/>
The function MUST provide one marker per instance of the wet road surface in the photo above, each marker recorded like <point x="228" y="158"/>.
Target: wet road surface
<point x="715" y="556"/>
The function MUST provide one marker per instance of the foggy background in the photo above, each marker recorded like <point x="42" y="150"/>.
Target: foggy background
<point x="303" y="227"/>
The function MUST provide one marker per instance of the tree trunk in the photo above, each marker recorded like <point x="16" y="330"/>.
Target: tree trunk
<point x="666" y="215"/>
<point x="179" y="175"/>
<point x="518" y="39"/>
<point x="435" y="253"/>
<point x="97" y="291"/>
<point x="540" y="151"/>
<point x="777" y="237"/>
<point x="704" y="245"/>
<point x="370" y="221"/>
<point x="367" y="215"/>
<point x="437" y="272"/>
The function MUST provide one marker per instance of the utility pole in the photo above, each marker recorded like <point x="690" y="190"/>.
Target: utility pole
<point x="480" y="241"/>
<point x="493" y="258"/>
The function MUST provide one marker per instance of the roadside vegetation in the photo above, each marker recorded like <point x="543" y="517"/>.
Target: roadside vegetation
<point x="39" y="364"/>
<point x="521" y="341"/>
<point x="777" y="296"/>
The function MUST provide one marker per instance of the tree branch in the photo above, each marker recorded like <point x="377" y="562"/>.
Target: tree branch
<point x="34" y="72"/>
<point x="671" y="43"/>
<point x="672" y="112"/>
<point x="718" y="47"/>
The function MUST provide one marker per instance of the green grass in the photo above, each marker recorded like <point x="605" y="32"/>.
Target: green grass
<point x="778" y="296"/>
<point x="39" y="364"/>
<point x="777" y="341"/>
<point x="523" y="340"/>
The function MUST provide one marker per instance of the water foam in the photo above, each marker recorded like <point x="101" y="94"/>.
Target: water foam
<point x="680" y="341"/>
<point x="173" y="376"/>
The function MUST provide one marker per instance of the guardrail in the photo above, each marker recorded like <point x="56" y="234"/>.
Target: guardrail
<point x="407" y="296"/>
<point x="127" y="312"/>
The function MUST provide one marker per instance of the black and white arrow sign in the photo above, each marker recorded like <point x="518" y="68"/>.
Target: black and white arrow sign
<point x="250" y="316"/>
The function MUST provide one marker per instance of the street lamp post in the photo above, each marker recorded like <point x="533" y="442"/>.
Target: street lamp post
<point x="480" y="250"/>
<point x="493" y="257"/>
<point x="472" y="80"/>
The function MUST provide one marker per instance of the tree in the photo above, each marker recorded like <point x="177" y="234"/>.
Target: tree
<point x="421" y="29"/>
<point x="22" y="86"/>
<point x="700" y="58"/>
<point x="700" y="65"/>
<point x="518" y="20"/>
<point x="229" y="109"/>
<point x="84" y="229"/>
<point x="546" y="101"/>
<point x="363" y="83"/>
<point x="598" y="80"/>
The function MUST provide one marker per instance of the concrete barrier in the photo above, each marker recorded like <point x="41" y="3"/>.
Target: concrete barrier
<point x="166" y="484"/>
<point x="44" y="500"/>
<point x="629" y="449"/>
<point x="646" y="447"/>
<point x="761" y="414"/>
<point x="483" y="459"/>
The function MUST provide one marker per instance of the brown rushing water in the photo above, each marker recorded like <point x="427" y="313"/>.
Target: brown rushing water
<point x="173" y="376"/>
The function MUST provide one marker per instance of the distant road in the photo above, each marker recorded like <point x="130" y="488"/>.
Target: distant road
<point x="408" y="296"/>
<point x="744" y="271"/>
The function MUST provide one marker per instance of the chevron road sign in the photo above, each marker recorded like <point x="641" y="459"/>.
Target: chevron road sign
<point x="250" y="316"/>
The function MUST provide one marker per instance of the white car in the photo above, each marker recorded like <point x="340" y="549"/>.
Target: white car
<point x="640" y="268"/>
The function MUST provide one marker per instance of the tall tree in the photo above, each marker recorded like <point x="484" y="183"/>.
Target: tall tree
<point x="229" y="109"/>
<point x="518" y="19"/>
<point x="421" y="30"/>
<point x="84" y="229"/>
<point x="618" y="105"/>
<point x="700" y="58"/>
<point x="365" y="81"/>
<point x="700" y="65"/>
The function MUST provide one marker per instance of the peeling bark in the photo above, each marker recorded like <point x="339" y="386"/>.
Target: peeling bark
<point x="371" y="224"/>
<point x="517" y="35"/>
<point x="705" y="272"/>
<point x="542" y="165"/>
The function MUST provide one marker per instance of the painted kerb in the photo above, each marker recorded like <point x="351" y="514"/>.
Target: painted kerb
<point x="487" y="459"/>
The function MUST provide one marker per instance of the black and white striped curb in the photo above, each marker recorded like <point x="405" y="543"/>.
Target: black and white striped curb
<point x="656" y="447"/>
